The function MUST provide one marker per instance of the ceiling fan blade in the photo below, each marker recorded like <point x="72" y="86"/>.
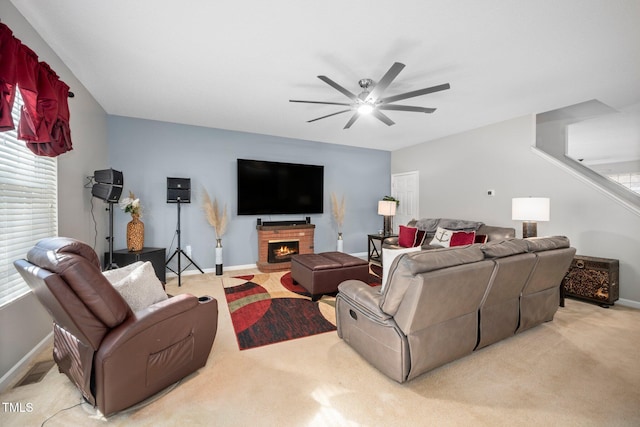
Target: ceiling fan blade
<point x="414" y="93"/>
<point x="405" y="108"/>
<point x="385" y="81"/>
<point x="384" y="119"/>
<point x="352" y="120"/>
<point x="329" y="115"/>
<point x="319" y="102"/>
<point x="339" y="88"/>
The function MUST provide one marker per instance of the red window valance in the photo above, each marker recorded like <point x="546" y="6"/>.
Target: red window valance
<point x="44" y="119"/>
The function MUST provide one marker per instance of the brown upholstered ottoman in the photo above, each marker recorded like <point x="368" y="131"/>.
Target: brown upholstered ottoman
<point x="322" y="273"/>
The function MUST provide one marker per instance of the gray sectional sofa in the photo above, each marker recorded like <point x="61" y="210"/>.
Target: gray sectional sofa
<point x="430" y="225"/>
<point x="442" y="304"/>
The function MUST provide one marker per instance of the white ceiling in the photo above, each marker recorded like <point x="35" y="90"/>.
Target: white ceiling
<point x="235" y="64"/>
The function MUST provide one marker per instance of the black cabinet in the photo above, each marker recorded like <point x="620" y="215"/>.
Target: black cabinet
<point x="157" y="256"/>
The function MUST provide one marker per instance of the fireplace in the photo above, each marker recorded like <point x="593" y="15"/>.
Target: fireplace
<point x="281" y="250"/>
<point x="279" y="234"/>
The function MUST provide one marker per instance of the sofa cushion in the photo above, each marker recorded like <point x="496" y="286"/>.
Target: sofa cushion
<point x="407" y="236"/>
<point x="138" y="285"/>
<point x="504" y="248"/>
<point x="442" y="237"/>
<point x="461" y="238"/>
<point x="537" y="244"/>
<point x="437" y="259"/>
<point x="404" y="270"/>
<point x="448" y="238"/>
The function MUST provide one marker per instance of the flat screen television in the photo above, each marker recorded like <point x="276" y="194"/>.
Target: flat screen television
<point x="269" y="188"/>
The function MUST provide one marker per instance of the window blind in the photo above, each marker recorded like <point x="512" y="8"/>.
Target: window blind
<point x="28" y="205"/>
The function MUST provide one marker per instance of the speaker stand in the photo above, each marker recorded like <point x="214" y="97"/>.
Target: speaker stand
<point x="179" y="252"/>
<point x="110" y="264"/>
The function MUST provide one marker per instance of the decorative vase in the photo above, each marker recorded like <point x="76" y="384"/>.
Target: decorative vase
<point x="135" y="234"/>
<point x="340" y="243"/>
<point x="218" y="257"/>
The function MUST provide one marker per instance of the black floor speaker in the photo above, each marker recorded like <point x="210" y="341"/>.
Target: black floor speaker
<point x="107" y="192"/>
<point x="108" y="176"/>
<point x="179" y="189"/>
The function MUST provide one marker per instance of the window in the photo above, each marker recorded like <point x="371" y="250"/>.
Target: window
<point x="630" y="180"/>
<point x="28" y="205"/>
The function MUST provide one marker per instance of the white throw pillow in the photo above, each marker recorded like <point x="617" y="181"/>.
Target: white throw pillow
<point x="120" y="273"/>
<point x="388" y="255"/>
<point x="442" y="237"/>
<point x="138" y="285"/>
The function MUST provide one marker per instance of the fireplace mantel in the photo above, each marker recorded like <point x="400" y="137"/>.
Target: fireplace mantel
<point x="304" y="233"/>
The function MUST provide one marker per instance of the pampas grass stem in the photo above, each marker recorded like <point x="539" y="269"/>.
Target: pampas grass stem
<point x="218" y="220"/>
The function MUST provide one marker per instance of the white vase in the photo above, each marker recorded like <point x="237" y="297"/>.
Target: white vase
<point x="340" y="243"/>
<point x="218" y="257"/>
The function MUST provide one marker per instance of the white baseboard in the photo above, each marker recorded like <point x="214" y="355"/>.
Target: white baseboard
<point x="213" y="270"/>
<point x="8" y="378"/>
<point x="629" y="303"/>
<point x="191" y="272"/>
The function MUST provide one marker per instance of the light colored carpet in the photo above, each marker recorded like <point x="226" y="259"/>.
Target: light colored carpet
<point x="582" y="369"/>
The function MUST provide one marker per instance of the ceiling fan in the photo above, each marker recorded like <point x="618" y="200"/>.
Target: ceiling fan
<point x="371" y="101"/>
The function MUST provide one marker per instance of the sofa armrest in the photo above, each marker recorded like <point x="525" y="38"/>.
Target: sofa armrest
<point x="391" y="242"/>
<point x="361" y="295"/>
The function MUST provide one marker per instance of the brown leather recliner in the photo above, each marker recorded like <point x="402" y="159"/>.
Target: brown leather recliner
<point x="116" y="357"/>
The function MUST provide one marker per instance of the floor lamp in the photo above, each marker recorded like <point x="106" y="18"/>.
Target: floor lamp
<point x="530" y="210"/>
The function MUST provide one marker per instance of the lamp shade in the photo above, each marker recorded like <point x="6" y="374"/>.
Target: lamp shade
<point x="530" y="209"/>
<point x="386" y="207"/>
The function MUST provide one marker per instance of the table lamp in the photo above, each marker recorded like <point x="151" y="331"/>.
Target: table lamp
<point x="387" y="208"/>
<point x="530" y="210"/>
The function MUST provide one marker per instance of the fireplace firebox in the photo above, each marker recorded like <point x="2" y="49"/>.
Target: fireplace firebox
<point x="281" y="250"/>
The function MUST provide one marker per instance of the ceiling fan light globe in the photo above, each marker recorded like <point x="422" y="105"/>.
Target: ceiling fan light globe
<point x="365" y="108"/>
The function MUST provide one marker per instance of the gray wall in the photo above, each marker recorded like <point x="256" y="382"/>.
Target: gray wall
<point x="147" y="152"/>
<point x="457" y="171"/>
<point x="24" y="324"/>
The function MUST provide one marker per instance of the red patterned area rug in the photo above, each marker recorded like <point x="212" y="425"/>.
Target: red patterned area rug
<point x="268" y="308"/>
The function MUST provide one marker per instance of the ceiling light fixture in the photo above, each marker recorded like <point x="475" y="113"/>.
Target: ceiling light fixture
<point x="365" y="108"/>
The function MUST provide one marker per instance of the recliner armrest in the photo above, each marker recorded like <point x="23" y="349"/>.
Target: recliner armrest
<point x="153" y="348"/>
<point x="363" y="296"/>
<point x="148" y="318"/>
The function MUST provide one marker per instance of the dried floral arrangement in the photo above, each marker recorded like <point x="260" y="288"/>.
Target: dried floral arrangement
<point x="338" y="210"/>
<point x="217" y="219"/>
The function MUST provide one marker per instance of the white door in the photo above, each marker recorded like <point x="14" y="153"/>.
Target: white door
<point x="404" y="187"/>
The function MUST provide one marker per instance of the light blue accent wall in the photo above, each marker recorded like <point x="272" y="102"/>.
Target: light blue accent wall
<point x="147" y="152"/>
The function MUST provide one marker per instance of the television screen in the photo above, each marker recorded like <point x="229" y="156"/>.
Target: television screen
<point x="279" y="188"/>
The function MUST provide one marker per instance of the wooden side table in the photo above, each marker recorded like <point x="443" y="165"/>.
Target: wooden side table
<point x="375" y="252"/>
<point x="156" y="256"/>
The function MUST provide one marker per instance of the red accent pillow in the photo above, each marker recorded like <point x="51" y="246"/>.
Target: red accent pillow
<point x="420" y="235"/>
<point x="461" y="238"/>
<point x="481" y="238"/>
<point x="407" y="236"/>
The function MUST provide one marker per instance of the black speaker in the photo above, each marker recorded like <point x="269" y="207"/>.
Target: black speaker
<point x="107" y="192"/>
<point x="178" y="189"/>
<point x="108" y="176"/>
